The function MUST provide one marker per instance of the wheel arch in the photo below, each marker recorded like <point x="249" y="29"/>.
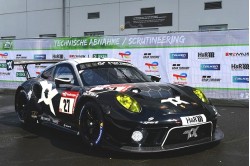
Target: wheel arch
<point x="83" y="100"/>
<point x="16" y="94"/>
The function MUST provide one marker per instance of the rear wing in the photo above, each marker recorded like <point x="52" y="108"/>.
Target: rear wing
<point x="24" y="63"/>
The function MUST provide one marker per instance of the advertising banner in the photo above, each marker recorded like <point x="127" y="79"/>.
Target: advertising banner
<point x="216" y="61"/>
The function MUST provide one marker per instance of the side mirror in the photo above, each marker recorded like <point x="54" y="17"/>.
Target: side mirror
<point x="60" y="81"/>
<point x="43" y="76"/>
<point x="155" y="78"/>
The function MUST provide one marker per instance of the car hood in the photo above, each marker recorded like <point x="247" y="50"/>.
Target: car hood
<point x="153" y="96"/>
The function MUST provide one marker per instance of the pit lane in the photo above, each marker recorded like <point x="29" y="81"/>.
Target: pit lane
<point x="46" y="146"/>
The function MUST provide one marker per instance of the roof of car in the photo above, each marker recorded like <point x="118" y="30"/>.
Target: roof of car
<point x="87" y="60"/>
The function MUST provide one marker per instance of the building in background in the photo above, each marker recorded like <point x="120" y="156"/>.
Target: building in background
<point x="59" y="18"/>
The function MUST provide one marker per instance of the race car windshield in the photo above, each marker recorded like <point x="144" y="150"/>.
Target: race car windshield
<point x="112" y="75"/>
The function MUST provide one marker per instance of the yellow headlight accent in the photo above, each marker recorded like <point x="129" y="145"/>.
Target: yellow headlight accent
<point x="200" y="94"/>
<point x="129" y="103"/>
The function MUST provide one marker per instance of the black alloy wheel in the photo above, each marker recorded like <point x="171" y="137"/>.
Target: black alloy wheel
<point x="21" y="106"/>
<point x="92" y="125"/>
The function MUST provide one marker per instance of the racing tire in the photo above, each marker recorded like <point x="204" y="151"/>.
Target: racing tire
<point x="91" y="124"/>
<point x="21" y="107"/>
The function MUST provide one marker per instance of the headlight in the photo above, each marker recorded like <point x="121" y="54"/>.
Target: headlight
<point x="200" y="94"/>
<point x="129" y="103"/>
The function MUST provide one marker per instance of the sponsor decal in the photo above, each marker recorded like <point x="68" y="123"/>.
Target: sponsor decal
<point x="179" y="55"/>
<point x="3" y="65"/>
<point x="40" y="66"/>
<point x="100" y="133"/>
<point x="191" y="120"/>
<point x="182" y="76"/>
<point x="210" y="79"/>
<point x="150" y="121"/>
<point x="152" y="67"/>
<point x="205" y="55"/>
<point x="43" y="118"/>
<point x="68" y="101"/>
<point x="149" y="56"/>
<point x="67" y="126"/>
<point x="210" y="66"/>
<point x="20" y="74"/>
<point x="179" y="67"/>
<point x="7" y="45"/>
<point x="237" y="54"/>
<point x="58" y="56"/>
<point x="40" y="56"/>
<point x="191" y="133"/>
<point x="4" y="73"/>
<point x="241" y="79"/>
<point x="175" y="101"/>
<point x="19" y="56"/>
<point x="47" y="95"/>
<point x="125" y="55"/>
<point x="29" y="94"/>
<point x="239" y="67"/>
<point x="100" y="56"/>
<point x="119" y="88"/>
<point x="77" y="56"/>
<point x="19" y="68"/>
<point x="4" y="55"/>
<point x="10" y="64"/>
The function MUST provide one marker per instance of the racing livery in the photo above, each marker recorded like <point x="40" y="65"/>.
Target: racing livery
<point x="110" y="103"/>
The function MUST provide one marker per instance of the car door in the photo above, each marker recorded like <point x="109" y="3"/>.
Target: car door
<point x="68" y="91"/>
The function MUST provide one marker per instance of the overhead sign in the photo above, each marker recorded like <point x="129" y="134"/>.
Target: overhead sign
<point x="154" y="20"/>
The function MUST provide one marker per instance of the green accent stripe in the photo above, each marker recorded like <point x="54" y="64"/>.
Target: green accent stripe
<point x="128" y="47"/>
<point x="222" y="45"/>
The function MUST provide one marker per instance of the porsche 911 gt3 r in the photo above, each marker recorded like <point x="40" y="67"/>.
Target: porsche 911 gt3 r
<point x="110" y="103"/>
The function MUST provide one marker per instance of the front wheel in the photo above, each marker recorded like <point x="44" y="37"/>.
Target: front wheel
<point x="91" y="124"/>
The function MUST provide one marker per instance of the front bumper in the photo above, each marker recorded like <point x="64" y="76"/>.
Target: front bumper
<point x="216" y="137"/>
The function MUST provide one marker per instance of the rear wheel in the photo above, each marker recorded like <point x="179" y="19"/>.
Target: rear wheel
<point x="21" y="107"/>
<point x="92" y="125"/>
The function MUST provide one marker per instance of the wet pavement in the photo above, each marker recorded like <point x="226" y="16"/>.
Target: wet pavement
<point x="41" y="146"/>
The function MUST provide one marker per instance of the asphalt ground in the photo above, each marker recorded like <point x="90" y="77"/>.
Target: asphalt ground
<point x="22" y="146"/>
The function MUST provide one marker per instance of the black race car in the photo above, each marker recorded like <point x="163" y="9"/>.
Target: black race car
<point x="110" y="103"/>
